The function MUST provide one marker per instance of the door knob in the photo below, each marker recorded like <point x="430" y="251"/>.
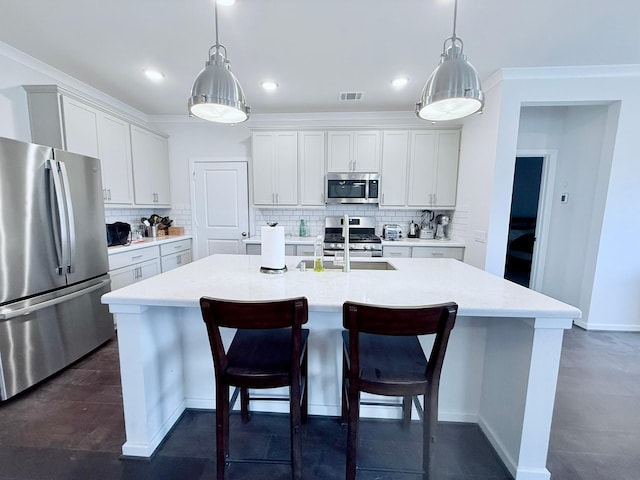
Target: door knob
<point x="244" y="234"/>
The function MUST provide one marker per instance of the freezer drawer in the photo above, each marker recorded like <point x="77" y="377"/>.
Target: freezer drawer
<point x="37" y="342"/>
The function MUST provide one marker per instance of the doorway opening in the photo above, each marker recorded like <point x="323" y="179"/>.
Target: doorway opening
<point x="525" y="207"/>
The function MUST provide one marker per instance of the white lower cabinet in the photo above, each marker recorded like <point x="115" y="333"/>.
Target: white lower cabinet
<point x="131" y="266"/>
<point x="133" y="273"/>
<point x="438" y="252"/>
<point x="175" y="254"/>
<point x="397" y="252"/>
<point x="423" y="252"/>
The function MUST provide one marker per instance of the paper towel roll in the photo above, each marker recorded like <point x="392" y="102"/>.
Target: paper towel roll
<point x="272" y="249"/>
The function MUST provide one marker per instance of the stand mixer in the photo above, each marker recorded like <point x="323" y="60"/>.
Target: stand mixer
<point x="441" y="222"/>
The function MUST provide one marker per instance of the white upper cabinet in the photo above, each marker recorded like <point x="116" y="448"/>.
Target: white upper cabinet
<point x="64" y="120"/>
<point x="275" y="168"/>
<point x="393" y="183"/>
<point x="353" y="151"/>
<point x="150" y="154"/>
<point x="433" y="169"/>
<point x="311" y="160"/>
<point x="419" y="168"/>
<point x="80" y="128"/>
<point x="114" y="145"/>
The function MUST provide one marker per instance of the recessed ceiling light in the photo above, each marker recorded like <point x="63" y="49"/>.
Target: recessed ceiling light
<point x="153" y="75"/>
<point x="226" y="2"/>
<point x="269" y="85"/>
<point x="399" y="82"/>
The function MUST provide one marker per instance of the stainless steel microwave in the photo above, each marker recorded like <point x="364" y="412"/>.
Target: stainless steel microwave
<point x="352" y="188"/>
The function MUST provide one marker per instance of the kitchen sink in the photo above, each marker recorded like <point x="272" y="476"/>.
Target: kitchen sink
<point x="355" y="265"/>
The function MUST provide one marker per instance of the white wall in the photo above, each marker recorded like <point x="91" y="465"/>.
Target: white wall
<point x="577" y="134"/>
<point x="610" y="266"/>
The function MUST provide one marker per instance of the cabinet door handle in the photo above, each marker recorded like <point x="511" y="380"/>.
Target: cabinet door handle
<point x="179" y="260"/>
<point x="109" y="190"/>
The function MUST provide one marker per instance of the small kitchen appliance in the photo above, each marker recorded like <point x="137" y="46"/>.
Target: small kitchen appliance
<point x="441" y="222"/>
<point x="363" y="241"/>
<point x="391" y="231"/>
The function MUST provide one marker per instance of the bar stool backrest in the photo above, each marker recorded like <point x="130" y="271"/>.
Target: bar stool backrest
<point x="252" y="315"/>
<point x="436" y="319"/>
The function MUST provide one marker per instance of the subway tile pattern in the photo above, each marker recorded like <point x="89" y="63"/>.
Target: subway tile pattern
<point x="290" y="217"/>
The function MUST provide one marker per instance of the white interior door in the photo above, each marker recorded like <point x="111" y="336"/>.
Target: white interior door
<point x="220" y="207"/>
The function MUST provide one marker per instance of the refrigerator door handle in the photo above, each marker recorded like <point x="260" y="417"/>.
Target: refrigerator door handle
<point x="63" y="247"/>
<point x="7" y="313"/>
<point x="71" y="221"/>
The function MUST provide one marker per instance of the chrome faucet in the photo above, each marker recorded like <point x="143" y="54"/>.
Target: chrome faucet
<point x="345" y="233"/>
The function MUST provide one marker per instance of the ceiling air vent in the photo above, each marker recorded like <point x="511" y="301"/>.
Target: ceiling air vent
<point x="350" y="96"/>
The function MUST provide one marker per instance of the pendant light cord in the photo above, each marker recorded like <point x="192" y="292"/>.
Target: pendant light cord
<point x="215" y="17"/>
<point x="455" y="17"/>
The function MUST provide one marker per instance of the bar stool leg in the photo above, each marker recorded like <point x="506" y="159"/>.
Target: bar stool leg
<point x="305" y="385"/>
<point x="222" y="429"/>
<point x="429" y="426"/>
<point x="406" y="411"/>
<point x="345" y="386"/>
<point x="352" y="432"/>
<point x="295" y="414"/>
<point x="244" y="404"/>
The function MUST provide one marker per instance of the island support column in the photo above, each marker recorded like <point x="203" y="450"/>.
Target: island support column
<point x="150" y="350"/>
<point x="522" y="360"/>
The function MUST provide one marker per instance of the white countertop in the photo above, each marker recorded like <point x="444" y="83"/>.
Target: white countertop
<point x="416" y="281"/>
<point x="146" y="242"/>
<point x="404" y="242"/>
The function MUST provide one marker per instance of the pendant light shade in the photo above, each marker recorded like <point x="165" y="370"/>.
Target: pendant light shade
<point x="216" y="94"/>
<point x="453" y="90"/>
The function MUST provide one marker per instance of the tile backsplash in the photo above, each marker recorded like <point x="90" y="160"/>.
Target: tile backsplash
<point x="314" y="218"/>
<point x="290" y="218"/>
<point x="180" y="214"/>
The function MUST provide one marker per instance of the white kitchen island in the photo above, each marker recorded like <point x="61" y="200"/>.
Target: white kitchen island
<point x="500" y="369"/>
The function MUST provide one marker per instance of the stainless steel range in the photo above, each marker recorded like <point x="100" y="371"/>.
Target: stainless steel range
<point x="363" y="241"/>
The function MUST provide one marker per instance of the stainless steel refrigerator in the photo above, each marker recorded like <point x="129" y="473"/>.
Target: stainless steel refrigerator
<point x="53" y="262"/>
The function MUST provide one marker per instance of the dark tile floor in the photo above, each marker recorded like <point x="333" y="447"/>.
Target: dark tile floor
<point x="71" y="427"/>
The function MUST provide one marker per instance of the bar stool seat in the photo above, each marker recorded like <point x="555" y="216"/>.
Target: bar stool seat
<point x="269" y="350"/>
<point x="382" y="355"/>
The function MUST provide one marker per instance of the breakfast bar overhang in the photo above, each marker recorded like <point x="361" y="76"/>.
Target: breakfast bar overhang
<point x="500" y="370"/>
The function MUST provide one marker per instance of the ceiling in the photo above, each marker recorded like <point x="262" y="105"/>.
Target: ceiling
<point x="314" y="49"/>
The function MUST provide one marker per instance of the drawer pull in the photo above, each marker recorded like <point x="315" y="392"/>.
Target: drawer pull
<point x="137" y="257"/>
<point x="437" y="254"/>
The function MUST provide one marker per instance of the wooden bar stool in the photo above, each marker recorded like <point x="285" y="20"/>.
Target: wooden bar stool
<point x="382" y="355"/>
<point x="269" y="350"/>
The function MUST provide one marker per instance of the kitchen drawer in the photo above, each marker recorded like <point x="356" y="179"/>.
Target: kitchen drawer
<point x="175" y="260"/>
<point x="123" y="259"/>
<point x="438" y="252"/>
<point x="396" y="252"/>
<point x="305" y="250"/>
<point x="134" y="273"/>
<point x="173" y="247"/>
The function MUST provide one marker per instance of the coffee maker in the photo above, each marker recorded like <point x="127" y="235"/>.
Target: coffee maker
<point x="441" y="222"/>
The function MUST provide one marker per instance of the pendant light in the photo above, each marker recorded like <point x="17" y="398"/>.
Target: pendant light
<point x="216" y="94"/>
<point x="453" y="90"/>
